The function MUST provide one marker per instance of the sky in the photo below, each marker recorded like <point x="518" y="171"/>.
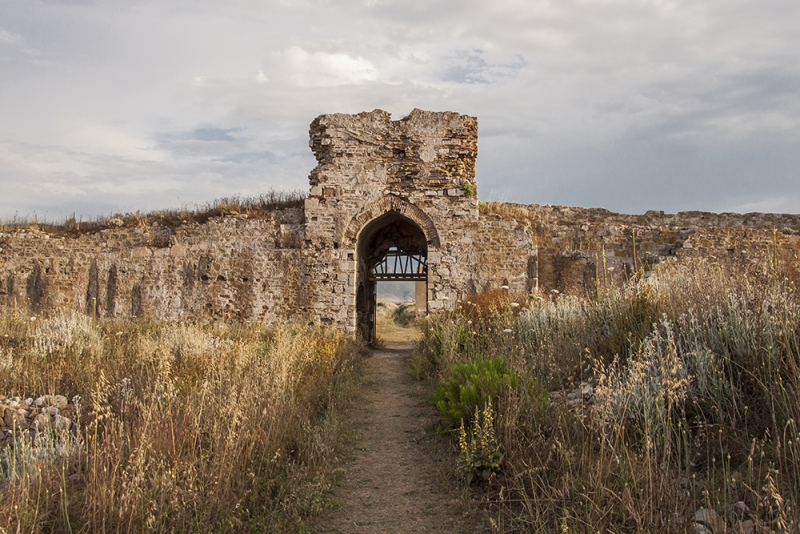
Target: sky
<point x="113" y="106"/>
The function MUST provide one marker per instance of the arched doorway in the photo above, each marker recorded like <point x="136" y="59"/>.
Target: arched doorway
<point x="390" y="248"/>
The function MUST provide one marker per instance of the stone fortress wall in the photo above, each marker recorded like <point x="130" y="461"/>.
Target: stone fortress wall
<point x="576" y="244"/>
<point x="302" y="264"/>
<point x="229" y="269"/>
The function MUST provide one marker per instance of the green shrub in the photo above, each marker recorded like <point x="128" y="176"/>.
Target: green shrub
<point x="471" y="385"/>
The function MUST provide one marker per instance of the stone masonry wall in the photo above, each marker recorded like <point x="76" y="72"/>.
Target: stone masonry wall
<point x="302" y="264"/>
<point x="422" y="167"/>
<point x="571" y="241"/>
<point x="229" y="269"/>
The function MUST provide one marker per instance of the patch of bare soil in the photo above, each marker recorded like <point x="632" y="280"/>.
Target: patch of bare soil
<point x="399" y="479"/>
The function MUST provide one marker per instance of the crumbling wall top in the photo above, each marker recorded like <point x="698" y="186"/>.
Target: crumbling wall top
<point x="425" y="151"/>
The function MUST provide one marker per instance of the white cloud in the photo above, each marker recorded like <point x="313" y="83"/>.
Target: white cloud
<point x="10" y="38"/>
<point x="319" y="69"/>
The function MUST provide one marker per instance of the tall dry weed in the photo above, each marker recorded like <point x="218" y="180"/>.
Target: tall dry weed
<point x="695" y="373"/>
<point x="185" y="428"/>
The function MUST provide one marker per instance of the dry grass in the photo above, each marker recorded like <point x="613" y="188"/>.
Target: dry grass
<point x="396" y="323"/>
<point x="184" y="428"/>
<point x="505" y="210"/>
<point x="696" y="373"/>
<point x="258" y="206"/>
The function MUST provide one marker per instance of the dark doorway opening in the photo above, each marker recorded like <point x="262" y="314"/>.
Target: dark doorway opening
<point x="390" y="248"/>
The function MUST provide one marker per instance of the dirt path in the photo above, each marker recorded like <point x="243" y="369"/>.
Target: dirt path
<point x="398" y="480"/>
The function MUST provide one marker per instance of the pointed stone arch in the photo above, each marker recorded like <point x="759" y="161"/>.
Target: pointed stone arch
<point x="388" y="204"/>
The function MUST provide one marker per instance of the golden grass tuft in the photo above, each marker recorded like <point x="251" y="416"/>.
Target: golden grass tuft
<point x="183" y="428"/>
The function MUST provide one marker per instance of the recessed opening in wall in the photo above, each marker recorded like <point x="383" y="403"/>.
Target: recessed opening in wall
<point x="392" y="250"/>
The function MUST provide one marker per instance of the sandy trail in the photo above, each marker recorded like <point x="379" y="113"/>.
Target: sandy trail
<point x="398" y="478"/>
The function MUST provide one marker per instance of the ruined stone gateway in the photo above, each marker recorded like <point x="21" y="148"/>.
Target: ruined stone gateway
<point x="397" y="200"/>
<point x="389" y="200"/>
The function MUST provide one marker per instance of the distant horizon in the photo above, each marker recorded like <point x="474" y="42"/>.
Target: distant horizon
<point x="400" y="290"/>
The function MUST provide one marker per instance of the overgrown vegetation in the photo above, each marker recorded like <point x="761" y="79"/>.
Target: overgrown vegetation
<point x="695" y="380"/>
<point x="183" y="428"/>
<point x="470" y="387"/>
<point x="257" y="206"/>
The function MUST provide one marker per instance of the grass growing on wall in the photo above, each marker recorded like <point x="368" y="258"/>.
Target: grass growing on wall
<point x="696" y="380"/>
<point x="255" y="206"/>
<point x="183" y="428"/>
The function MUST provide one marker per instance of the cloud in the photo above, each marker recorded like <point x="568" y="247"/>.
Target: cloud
<point x="777" y="204"/>
<point x="250" y="157"/>
<point x="10" y="38"/>
<point x="318" y="69"/>
<point x="627" y="104"/>
<point x="55" y="181"/>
